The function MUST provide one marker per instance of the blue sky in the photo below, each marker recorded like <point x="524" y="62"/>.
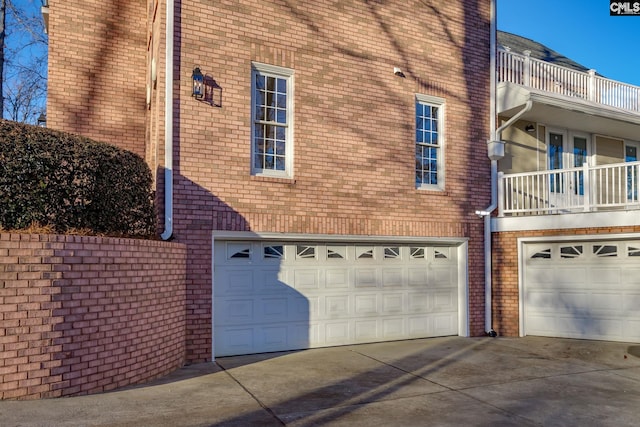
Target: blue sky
<point x="581" y="30"/>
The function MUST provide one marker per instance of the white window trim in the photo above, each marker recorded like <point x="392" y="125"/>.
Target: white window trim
<point x="288" y="74"/>
<point x="440" y="103"/>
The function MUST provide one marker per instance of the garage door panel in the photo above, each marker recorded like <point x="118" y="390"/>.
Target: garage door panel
<point x="541" y="300"/>
<point x="540" y="277"/>
<point x="271" y="281"/>
<point x="583" y="293"/>
<point x="318" y="295"/>
<point x="631" y="276"/>
<point x="274" y="337"/>
<point x="444" y="324"/>
<point x="366" y="278"/>
<point x="417" y="277"/>
<point x="441" y="275"/>
<point x="571" y="302"/>
<point x="234" y="340"/>
<point x="366" y="305"/>
<point x="306" y="279"/>
<point x="236" y="282"/>
<point x="631" y="302"/>
<point x="604" y="276"/>
<point x="420" y="325"/>
<point x="393" y="303"/>
<point x="632" y="330"/>
<point x="420" y="302"/>
<point x="234" y="311"/>
<point x="337" y="278"/>
<point x="567" y="278"/>
<point x="336" y="306"/>
<point x="337" y="333"/>
<point x="366" y="330"/>
<point x="607" y="302"/>
<point x="444" y="301"/>
<point x="393" y="327"/>
<point x="392" y="278"/>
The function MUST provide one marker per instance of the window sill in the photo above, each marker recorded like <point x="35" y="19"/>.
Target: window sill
<point x="273" y="179"/>
<point x="432" y="191"/>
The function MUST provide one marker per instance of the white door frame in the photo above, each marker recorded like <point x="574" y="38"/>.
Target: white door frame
<point x="461" y="244"/>
<point x="522" y="241"/>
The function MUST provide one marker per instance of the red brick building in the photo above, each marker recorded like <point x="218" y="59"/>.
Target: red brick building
<point x="326" y="175"/>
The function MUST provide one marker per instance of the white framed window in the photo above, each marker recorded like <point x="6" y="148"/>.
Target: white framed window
<point x="429" y="142"/>
<point x="271" y="120"/>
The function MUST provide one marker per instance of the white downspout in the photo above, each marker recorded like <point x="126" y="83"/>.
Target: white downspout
<point x="496" y="134"/>
<point x="168" y="123"/>
<point x="488" y="322"/>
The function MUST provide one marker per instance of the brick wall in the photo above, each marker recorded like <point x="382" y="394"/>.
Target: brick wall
<point x="82" y="315"/>
<point x="354" y="128"/>
<point x="97" y="62"/>
<point x="505" y="271"/>
<point x="354" y="138"/>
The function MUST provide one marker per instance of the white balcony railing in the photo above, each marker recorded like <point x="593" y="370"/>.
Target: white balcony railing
<point x="582" y="189"/>
<point x="533" y="73"/>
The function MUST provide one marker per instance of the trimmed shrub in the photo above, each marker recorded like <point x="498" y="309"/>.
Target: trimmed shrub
<point x="69" y="182"/>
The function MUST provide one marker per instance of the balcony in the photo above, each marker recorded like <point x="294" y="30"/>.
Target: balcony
<point x="612" y="187"/>
<point x="550" y="78"/>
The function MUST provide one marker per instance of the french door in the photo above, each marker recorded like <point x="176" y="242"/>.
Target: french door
<point x="631" y="150"/>
<point x="567" y="150"/>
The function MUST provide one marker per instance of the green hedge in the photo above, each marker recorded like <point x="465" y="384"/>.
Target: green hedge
<point x="69" y="182"/>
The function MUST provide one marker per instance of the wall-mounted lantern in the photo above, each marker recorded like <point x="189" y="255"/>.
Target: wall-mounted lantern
<point x="42" y="120"/>
<point x="198" y="83"/>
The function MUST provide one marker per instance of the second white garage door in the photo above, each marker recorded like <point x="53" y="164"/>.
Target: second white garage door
<point x="582" y="289"/>
<point x="270" y="296"/>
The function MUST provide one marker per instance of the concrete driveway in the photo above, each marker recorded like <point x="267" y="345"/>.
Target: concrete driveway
<point x="450" y="381"/>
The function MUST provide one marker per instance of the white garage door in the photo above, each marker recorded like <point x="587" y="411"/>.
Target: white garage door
<point x="587" y="290"/>
<point x="273" y="296"/>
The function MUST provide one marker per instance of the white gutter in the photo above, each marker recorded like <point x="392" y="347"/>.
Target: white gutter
<point x="168" y="124"/>
<point x="494" y="139"/>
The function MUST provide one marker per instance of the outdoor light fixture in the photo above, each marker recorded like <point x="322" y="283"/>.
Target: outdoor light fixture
<point x="42" y="120"/>
<point x="529" y="128"/>
<point x="198" y="83"/>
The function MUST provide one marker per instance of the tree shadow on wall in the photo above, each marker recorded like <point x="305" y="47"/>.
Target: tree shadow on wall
<point x="233" y="287"/>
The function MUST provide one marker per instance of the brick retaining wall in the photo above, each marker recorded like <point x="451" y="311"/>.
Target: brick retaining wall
<point x="81" y="314"/>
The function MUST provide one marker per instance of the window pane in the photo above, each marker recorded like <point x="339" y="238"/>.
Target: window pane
<point x="257" y="161"/>
<point x="271" y="84"/>
<point x="268" y="162"/>
<point x="427" y="140"/>
<point x="260" y="82"/>
<point x="270" y="104"/>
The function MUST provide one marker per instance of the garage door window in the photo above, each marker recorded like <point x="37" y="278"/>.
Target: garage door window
<point x="440" y="254"/>
<point x="543" y="254"/>
<point x="392" y="253"/>
<point x="417" y="253"/>
<point x="238" y="250"/>
<point x="305" y="252"/>
<point x="336" y="252"/>
<point x="273" y="252"/>
<point x="364" y="252"/>
<point x="605" y="250"/>
<point x="571" y="251"/>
